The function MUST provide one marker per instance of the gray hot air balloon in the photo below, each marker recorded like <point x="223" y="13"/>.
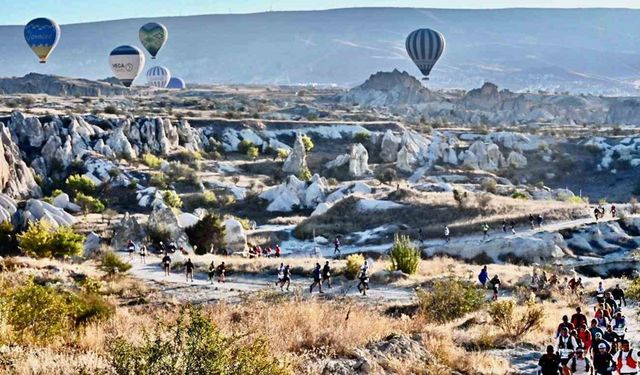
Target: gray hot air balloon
<point x="425" y="46"/>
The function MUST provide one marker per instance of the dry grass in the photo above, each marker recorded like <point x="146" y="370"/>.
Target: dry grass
<point x="431" y="211"/>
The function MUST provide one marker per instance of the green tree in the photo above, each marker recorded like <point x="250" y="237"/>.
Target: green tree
<point x="172" y="199"/>
<point x="208" y="233"/>
<point x="80" y="184"/>
<point x="89" y="204"/>
<point x="308" y="143"/>
<point x="253" y="152"/>
<point x="41" y="240"/>
<point x="450" y="299"/>
<point x="404" y="256"/>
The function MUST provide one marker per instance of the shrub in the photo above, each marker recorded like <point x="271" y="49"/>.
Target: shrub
<point x="206" y="200"/>
<point x="244" y="146"/>
<point x="188" y="156"/>
<point x="183" y="173"/>
<point x="489" y="184"/>
<point x="518" y="195"/>
<point x="111" y="110"/>
<point x="633" y="291"/>
<point x="362" y="137"/>
<point x="158" y="180"/>
<point x="308" y="143"/>
<point x="575" y="200"/>
<point x="8" y="243"/>
<point x="282" y="153"/>
<point x="151" y="161"/>
<point x="112" y="264"/>
<point x="253" y="152"/>
<point x="90" y="307"/>
<point x="484" y="199"/>
<point x="193" y="343"/>
<point x="354" y="262"/>
<point x="89" y="204"/>
<point x="41" y="240"/>
<point x="460" y="197"/>
<point x="206" y="234"/>
<point x="450" y="299"/>
<point x="404" y="256"/>
<point x="304" y="174"/>
<point x="387" y="175"/>
<point x="55" y="193"/>
<point x="513" y="323"/>
<point x="172" y="199"/>
<point x="80" y="184"/>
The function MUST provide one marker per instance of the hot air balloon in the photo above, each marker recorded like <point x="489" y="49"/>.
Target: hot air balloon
<point x="425" y="46"/>
<point x="42" y="35"/>
<point x="127" y="63"/>
<point x="176" y="83"/>
<point x="158" y="76"/>
<point x="153" y="36"/>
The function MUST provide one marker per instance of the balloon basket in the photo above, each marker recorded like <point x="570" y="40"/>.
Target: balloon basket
<point x="43" y="62"/>
<point x="425" y="78"/>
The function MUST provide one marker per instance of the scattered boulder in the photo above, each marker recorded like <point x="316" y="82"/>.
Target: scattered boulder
<point x="164" y="222"/>
<point x="91" y="244"/>
<point x="41" y="210"/>
<point x="234" y="236"/>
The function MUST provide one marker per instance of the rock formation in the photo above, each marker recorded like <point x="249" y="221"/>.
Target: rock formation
<point x="234" y="236"/>
<point x="297" y="159"/>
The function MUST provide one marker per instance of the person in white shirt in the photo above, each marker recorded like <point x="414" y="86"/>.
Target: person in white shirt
<point x="600" y="289"/>
<point x="566" y="346"/>
<point x="579" y="364"/>
<point x="626" y="359"/>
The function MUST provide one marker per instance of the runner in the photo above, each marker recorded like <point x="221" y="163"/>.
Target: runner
<point x="611" y="337"/>
<point x="166" y="264"/>
<point x="143" y="254"/>
<point x="531" y="221"/>
<point x="363" y="276"/>
<point x="579" y="364"/>
<point x="447" y="234"/>
<point x="280" y="274"/>
<point x="566" y="346"/>
<point x="626" y="359"/>
<point x="483" y="277"/>
<point x="618" y="295"/>
<point x="596" y="213"/>
<point x="495" y="285"/>
<point x="614" y="212"/>
<point x="189" y="269"/>
<point x="578" y="319"/>
<point x="565" y="324"/>
<point x="603" y="361"/>
<point x="277" y="251"/>
<point x="504" y="225"/>
<point x="131" y="248"/>
<point x="599" y="341"/>
<point x="317" y="278"/>
<point x="212" y="272"/>
<point x="512" y="224"/>
<point x="336" y="246"/>
<point x="540" y="220"/>
<point x="485" y="231"/>
<point x="600" y="292"/>
<point x="549" y="363"/>
<point x="286" y="277"/>
<point x="594" y="329"/>
<point x="326" y="274"/>
<point x="222" y="270"/>
<point x="620" y="325"/>
<point x="585" y="338"/>
<point x="608" y="299"/>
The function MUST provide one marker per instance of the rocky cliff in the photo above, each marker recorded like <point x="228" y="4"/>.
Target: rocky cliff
<point x="34" y="83"/>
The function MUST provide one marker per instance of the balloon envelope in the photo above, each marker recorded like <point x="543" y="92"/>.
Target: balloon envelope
<point x="126" y="63"/>
<point x="158" y="76"/>
<point x="153" y="36"/>
<point x="42" y="35"/>
<point x="176" y="83"/>
<point x="425" y="46"/>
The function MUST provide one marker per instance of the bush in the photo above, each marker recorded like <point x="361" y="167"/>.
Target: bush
<point x="404" y="257"/>
<point x="90" y="307"/>
<point x="633" y="291"/>
<point x="460" y="197"/>
<point x="308" y="143"/>
<point x="450" y="299"/>
<point x="193" y="343"/>
<point x="575" y="200"/>
<point x="282" y="153"/>
<point x="516" y="324"/>
<point x="112" y="264"/>
<point x="489" y="184"/>
<point x="172" y="199"/>
<point x="484" y="199"/>
<point x="206" y="200"/>
<point x="362" y="137"/>
<point x="244" y="146"/>
<point x="8" y="242"/>
<point x="253" y="152"/>
<point x="354" y="262"/>
<point x="158" y="180"/>
<point x="182" y="173"/>
<point x="89" y="204"/>
<point x="387" y="175"/>
<point x="151" y="161"/>
<point x="518" y="195"/>
<point x="41" y="240"/>
<point x="80" y="184"/>
<point x="111" y="110"/>
<point x="304" y="174"/>
<point x="207" y="234"/>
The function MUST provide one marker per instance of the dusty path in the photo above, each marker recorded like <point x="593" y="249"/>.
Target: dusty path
<point x="240" y="285"/>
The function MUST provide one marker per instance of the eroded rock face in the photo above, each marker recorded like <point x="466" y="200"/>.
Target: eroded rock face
<point x="234" y="236"/>
<point x="516" y="160"/>
<point x="40" y="210"/>
<point x="7" y="207"/>
<point x="163" y="220"/>
<point x="297" y="159"/>
<point x="127" y="229"/>
<point x="359" y="161"/>
<point x="485" y="156"/>
<point x="120" y="145"/>
<point x="389" y="147"/>
<point x="16" y="178"/>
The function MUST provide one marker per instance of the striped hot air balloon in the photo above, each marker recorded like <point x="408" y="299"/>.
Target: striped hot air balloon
<point x="42" y="35"/>
<point x="158" y="76"/>
<point x="126" y="63"/>
<point x="425" y="46"/>
<point x="153" y="36"/>
<point x="176" y="83"/>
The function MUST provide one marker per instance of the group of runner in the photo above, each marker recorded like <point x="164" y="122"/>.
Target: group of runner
<point x="213" y="271"/>
<point x="267" y="251"/>
<point x="510" y="225"/>
<point x="599" y="212"/>
<point x="592" y="347"/>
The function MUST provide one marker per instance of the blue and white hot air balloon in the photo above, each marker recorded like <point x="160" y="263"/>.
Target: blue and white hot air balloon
<point x="126" y="63"/>
<point x="42" y="35"/>
<point x="425" y="46"/>
<point x="176" y="83"/>
<point x="158" y="76"/>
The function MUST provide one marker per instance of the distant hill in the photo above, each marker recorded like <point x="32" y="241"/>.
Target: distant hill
<point x="594" y="50"/>
<point x="55" y="85"/>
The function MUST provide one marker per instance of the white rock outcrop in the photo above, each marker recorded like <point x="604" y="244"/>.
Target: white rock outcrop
<point x="389" y="147"/>
<point x="297" y="159"/>
<point x="234" y="236"/>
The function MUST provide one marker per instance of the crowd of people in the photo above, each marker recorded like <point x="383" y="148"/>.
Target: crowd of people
<point x="593" y="345"/>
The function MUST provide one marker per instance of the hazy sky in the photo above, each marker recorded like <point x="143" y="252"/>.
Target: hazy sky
<point x="73" y="11"/>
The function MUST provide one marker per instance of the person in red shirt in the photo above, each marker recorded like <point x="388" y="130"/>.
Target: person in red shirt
<point x="277" y="251"/>
<point x="585" y="337"/>
<point x="578" y="319"/>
